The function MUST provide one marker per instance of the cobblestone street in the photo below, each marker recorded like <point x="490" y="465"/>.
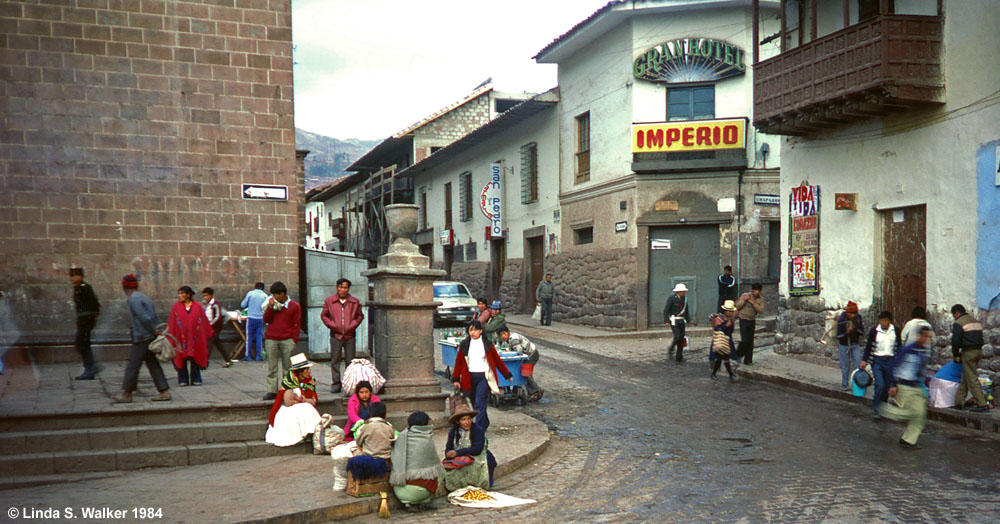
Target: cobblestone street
<point x="641" y="440"/>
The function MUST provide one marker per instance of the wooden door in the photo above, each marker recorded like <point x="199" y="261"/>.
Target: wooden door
<point x="536" y="253"/>
<point x="904" y="273"/>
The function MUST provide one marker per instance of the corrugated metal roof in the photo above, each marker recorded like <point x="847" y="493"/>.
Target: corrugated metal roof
<point x="607" y="7"/>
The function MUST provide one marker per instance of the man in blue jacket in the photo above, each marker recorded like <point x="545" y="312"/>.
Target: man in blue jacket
<point x="909" y="368"/>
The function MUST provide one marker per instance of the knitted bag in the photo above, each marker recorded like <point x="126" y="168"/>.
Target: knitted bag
<point x="361" y="369"/>
<point x="326" y="436"/>
<point x="720" y="343"/>
<point x="163" y="346"/>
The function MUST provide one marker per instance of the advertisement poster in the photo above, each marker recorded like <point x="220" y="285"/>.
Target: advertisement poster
<point x="803" y="240"/>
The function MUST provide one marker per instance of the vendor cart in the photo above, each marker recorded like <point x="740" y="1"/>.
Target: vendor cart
<point x="513" y="389"/>
<point x="449" y="348"/>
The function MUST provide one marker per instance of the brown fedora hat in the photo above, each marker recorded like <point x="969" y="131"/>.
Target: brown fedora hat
<point x="461" y="412"/>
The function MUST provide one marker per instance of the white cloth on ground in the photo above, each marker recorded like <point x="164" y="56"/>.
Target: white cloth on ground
<point x="492" y="499"/>
<point x="292" y="424"/>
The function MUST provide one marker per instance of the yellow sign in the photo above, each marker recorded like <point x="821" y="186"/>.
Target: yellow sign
<point x="667" y="205"/>
<point x="703" y="135"/>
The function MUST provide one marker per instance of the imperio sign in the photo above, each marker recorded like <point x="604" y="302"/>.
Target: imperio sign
<point x="491" y="201"/>
<point x="700" y="135"/>
<point x="690" y="60"/>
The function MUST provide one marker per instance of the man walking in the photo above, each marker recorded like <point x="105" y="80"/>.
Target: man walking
<point x="87" y="310"/>
<point x="967" y="348"/>
<point x="748" y="307"/>
<point x="908" y="369"/>
<point x="342" y="314"/>
<point x="283" y="317"/>
<point x="882" y="346"/>
<point x="675" y="315"/>
<point x="253" y="302"/>
<point x="144" y="321"/>
<point x="545" y="294"/>
<point x="727" y="287"/>
<point x="849" y="329"/>
<point x="215" y="319"/>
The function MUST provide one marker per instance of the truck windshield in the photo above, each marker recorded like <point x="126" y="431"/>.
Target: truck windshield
<point x="451" y="291"/>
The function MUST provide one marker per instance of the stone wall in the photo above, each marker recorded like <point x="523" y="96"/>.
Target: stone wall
<point x="127" y="131"/>
<point x="595" y="288"/>
<point x="511" y="285"/>
<point x="802" y="322"/>
<point x="473" y="275"/>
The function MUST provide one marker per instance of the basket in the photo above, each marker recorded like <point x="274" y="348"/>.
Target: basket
<point x="364" y="487"/>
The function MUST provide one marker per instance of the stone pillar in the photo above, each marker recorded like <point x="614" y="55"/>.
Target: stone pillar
<point x="403" y="318"/>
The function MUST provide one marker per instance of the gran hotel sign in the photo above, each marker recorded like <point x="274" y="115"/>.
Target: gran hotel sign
<point x="689" y="60"/>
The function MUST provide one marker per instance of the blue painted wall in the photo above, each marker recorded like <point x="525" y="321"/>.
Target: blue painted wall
<point x="988" y="247"/>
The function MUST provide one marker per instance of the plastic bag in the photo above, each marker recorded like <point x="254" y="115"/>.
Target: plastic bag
<point x="537" y="315"/>
<point x="340" y="455"/>
<point x="361" y="369"/>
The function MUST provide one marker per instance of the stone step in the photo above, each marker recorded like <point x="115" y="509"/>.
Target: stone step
<point x="99" y="439"/>
<point x="38" y="465"/>
<point x="29" y="481"/>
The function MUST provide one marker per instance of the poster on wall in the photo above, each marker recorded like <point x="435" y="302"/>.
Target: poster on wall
<point x="803" y="240"/>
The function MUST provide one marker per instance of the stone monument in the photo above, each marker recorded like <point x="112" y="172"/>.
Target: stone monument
<point x="403" y="319"/>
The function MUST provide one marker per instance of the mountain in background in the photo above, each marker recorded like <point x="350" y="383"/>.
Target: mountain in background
<point x="329" y="157"/>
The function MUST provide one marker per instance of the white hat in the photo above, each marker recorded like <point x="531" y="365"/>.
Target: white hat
<point x="680" y="287"/>
<point x="299" y="361"/>
<point x="729" y="305"/>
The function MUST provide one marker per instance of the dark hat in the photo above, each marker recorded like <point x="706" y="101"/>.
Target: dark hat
<point x="861" y="378"/>
<point x="73" y="271"/>
<point x="462" y="411"/>
<point x="130" y="282"/>
<point x="496" y="305"/>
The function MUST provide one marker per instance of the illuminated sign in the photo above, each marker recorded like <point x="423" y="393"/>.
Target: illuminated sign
<point x="491" y="201"/>
<point x="701" y="135"/>
<point x="689" y="60"/>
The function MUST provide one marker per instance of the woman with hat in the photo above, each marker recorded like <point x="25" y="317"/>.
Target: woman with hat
<point x="675" y="316"/>
<point x="468" y="461"/>
<point x="416" y="463"/>
<point x="189" y="325"/>
<point x="476" y="364"/>
<point x="722" y="339"/>
<point x="293" y="414"/>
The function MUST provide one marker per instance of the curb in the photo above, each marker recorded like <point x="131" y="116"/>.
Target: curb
<point x="370" y="504"/>
<point x="975" y="421"/>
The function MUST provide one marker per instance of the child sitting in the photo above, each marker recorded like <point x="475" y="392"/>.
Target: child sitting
<point x="375" y="438"/>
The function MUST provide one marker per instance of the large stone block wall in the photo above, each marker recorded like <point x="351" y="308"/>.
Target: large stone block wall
<point x="595" y="287"/>
<point x="126" y="130"/>
<point x="802" y="323"/>
<point x="511" y="285"/>
<point x="473" y="275"/>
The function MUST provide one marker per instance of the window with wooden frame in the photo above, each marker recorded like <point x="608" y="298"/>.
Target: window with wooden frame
<point x="583" y="147"/>
<point x="529" y="173"/>
<point x="465" y="196"/>
<point x="447" y="206"/>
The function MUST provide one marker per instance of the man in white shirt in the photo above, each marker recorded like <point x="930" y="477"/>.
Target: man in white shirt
<point x="883" y="343"/>
<point x="918" y="321"/>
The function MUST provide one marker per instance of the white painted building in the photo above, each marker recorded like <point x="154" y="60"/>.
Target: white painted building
<point x="324" y="215"/>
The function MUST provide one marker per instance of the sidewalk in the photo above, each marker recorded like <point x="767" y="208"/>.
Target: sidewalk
<point x="267" y="490"/>
<point x="820" y="377"/>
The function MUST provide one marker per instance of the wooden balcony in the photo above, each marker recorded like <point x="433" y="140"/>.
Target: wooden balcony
<point x="884" y="64"/>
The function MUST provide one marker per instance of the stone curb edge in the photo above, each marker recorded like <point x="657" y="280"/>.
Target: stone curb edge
<point x="370" y="504"/>
<point x="969" y="420"/>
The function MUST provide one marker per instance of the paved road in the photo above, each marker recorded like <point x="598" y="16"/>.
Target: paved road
<point x="641" y="440"/>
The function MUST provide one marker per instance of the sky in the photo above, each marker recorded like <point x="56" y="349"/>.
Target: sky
<point x="369" y="68"/>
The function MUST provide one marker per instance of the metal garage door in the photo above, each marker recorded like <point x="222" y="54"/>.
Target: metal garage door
<point x="683" y="254"/>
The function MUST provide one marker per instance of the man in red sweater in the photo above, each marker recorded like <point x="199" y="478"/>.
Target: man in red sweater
<point x="283" y="317"/>
<point x="342" y="314"/>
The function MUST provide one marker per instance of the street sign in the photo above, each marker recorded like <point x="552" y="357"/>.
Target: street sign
<point x="264" y="192"/>
<point x="621" y="227"/>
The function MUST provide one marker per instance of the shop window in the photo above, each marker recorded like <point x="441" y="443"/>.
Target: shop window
<point x="422" y="215"/>
<point x="529" y="173"/>
<point x="583" y="147"/>
<point x="583" y="235"/>
<point x="459" y="253"/>
<point x="774" y="249"/>
<point x="465" y="196"/>
<point x="470" y="252"/>
<point x="447" y="205"/>
<point x="691" y="103"/>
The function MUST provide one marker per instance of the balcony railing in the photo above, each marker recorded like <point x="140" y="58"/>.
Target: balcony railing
<point x="881" y="65"/>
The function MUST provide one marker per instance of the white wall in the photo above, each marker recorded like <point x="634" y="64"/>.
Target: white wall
<point x="914" y="157"/>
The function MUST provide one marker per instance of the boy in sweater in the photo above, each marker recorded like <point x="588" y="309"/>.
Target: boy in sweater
<point x="375" y="438"/>
<point x="283" y="317"/>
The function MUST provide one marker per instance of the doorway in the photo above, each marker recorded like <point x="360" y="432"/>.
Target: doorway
<point x="536" y="269"/>
<point x="498" y="259"/>
<point x="449" y="259"/>
<point x="904" y="261"/>
<point x="688" y="255"/>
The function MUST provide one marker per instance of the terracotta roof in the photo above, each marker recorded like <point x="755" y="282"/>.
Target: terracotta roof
<point x="326" y="191"/>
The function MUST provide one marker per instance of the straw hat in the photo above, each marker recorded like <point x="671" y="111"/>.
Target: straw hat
<point x="729" y="305"/>
<point x="299" y="361"/>
<point x="461" y="412"/>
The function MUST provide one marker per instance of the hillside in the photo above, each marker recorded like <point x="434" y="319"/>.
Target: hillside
<point x="329" y="156"/>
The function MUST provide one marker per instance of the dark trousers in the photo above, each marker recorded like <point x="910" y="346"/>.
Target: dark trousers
<point x="216" y="342"/>
<point x="140" y="353"/>
<point x="718" y="364"/>
<point x="480" y="399"/>
<point x="745" y="349"/>
<point x="183" y="374"/>
<point x="341" y="351"/>
<point x="678" y="343"/>
<point x="883" y="376"/>
<point x="84" y="325"/>
<point x="546" y="311"/>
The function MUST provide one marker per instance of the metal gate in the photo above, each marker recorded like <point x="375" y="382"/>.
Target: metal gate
<point x="321" y="271"/>
<point x="688" y="255"/>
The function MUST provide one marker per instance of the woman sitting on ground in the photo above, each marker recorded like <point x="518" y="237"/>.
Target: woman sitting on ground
<point x="293" y="414"/>
<point x="722" y="339"/>
<point x="467" y="442"/>
<point x="358" y="407"/>
<point x="416" y="464"/>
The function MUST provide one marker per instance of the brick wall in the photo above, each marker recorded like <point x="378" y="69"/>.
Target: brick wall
<point x="126" y="130"/>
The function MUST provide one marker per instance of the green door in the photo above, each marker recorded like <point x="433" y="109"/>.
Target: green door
<point x="688" y="255"/>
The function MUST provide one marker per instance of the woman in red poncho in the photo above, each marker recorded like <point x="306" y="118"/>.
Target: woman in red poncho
<point x="189" y="325"/>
